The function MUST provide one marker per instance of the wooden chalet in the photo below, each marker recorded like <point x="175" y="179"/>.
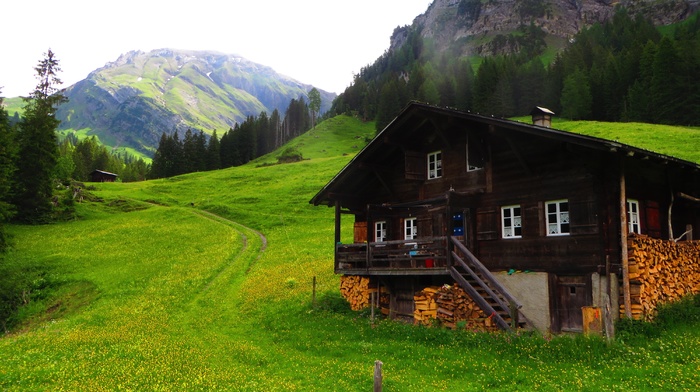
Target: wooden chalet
<point x="530" y="221"/>
<point x="102" y="176"/>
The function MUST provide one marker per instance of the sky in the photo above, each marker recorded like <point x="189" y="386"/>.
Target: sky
<point x="318" y="42"/>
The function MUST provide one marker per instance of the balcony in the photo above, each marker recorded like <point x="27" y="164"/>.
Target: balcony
<point x="421" y="256"/>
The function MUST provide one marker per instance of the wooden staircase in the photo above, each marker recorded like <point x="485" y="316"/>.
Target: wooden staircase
<point x="485" y="290"/>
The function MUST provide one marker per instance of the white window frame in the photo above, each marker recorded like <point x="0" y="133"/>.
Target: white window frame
<point x="410" y="229"/>
<point x="633" y="223"/>
<point x="510" y="221"/>
<point x="434" y="165"/>
<point x="471" y="167"/>
<point x="380" y="231"/>
<point x="558" y="218"/>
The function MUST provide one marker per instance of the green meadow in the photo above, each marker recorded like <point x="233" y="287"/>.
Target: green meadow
<point x="204" y="282"/>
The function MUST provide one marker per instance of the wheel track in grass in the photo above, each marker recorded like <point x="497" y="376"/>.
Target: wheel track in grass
<point x="241" y="254"/>
<point x="235" y="226"/>
<point x="218" y="218"/>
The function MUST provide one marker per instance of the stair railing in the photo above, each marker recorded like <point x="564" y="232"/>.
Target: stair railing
<point x="477" y="271"/>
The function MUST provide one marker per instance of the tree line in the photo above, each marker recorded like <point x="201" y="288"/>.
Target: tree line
<point x="256" y="136"/>
<point x="34" y="164"/>
<point x="78" y="158"/>
<point x="621" y="70"/>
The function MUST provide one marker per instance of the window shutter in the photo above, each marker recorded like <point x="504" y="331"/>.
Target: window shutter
<point x="425" y="226"/>
<point x="487" y="224"/>
<point x="653" y="219"/>
<point x="476" y="156"/>
<point x="416" y="165"/>
<point x="584" y="217"/>
<point x="360" y="232"/>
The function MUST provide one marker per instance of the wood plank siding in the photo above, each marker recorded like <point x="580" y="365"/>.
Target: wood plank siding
<point x="519" y="197"/>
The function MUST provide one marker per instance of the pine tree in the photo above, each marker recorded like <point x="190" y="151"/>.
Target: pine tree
<point x="666" y="83"/>
<point x="464" y="85"/>
<point x="638" y="103"/>
<point x="389" y="105"/>
<point x="314" y="105"/>
<point x="168" y="159"/>
<point x="213" y="152"/>
<point x="38" y="148"/>
<point x="576" y="97"/>
<point x="7" y="169"/>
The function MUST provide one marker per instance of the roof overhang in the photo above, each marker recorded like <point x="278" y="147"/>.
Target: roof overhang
<point x="415" y="116"/>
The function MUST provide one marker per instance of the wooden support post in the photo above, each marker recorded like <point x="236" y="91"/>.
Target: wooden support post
<point x="369" y="237"/>
<point x="514" y="315"/>
<point x="607" y="305"/>
<point x="378" y="376"/>
<point x="337" y="234"/>
<point x="337" y="222"/>
<point x="623" y="242"/>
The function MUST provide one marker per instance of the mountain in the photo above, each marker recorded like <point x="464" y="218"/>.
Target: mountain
<point x="497" y="57"/>
<point x="130" y="102"/>
<point x="476" y="27"/>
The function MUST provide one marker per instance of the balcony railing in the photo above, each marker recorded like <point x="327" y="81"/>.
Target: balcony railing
<point x="417" y="253"/>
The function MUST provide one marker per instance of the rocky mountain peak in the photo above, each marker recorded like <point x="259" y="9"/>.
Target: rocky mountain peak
<point x="470" y="25"/>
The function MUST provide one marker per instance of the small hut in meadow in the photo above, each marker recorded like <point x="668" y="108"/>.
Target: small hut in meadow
<point x="102" y="176"/>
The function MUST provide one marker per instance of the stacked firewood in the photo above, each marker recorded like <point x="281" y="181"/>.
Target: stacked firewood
<point x="425" y="305"/>
<point x="356" y="290"/>
<point x="660" y="271"/>
<point x="453" y="307"/>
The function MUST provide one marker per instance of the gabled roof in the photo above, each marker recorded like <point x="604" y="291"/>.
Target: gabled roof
<point x="104" y="172"/>
<point x="541" y="110"/>
<point x="412" y="118"/>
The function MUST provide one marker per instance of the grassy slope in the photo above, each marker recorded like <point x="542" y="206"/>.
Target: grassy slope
<point x="679" y="142"/>
<point x="180" y="300"/>
<point x="14" y="105"/>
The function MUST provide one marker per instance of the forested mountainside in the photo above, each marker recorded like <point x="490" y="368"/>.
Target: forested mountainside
<point x="504" y="57"/>
<point x="135" y="99"/>
<point x="477" y="27"/>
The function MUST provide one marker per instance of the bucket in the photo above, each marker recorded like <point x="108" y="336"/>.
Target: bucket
<point x="428" y="263"/>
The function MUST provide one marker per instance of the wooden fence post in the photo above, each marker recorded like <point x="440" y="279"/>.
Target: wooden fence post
<point x="313" y="299"/>
<point x="377" y="376"/>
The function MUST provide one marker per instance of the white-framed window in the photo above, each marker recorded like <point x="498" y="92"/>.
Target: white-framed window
<point x="435" y="165"/>
<point x="410" y="229"/>
<point x="557" y="212"/>
<point x="474" y="160"/>
<point x="380" y="231"/>
<point x="633" y="216"/>
<point x="511" y="222"/>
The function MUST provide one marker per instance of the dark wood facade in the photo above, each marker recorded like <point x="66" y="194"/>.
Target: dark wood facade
<point x="484" y="169"/>
<point x="102" y="176"/>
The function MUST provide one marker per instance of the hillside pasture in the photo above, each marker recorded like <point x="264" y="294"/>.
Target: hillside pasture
<point x="175" y="298"/>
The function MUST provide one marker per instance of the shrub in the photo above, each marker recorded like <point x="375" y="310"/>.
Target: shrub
<point x="629" y="329"/>
<point x="682" y="312"/>
<point x="333" y="302"/>
<point x="290" y="154"/>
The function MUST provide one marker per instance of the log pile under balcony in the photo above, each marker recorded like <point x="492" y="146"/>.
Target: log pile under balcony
<point x="425" y="309"/>
<point x="456" y="309"/>
<point x="660" y="272"/>
<point x="452" y="307"/>
<point x="356" y="290"/>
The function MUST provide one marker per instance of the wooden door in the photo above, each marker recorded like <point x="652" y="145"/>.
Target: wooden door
<point x="464" y="228"/>
<point x="401" y="298"/>
<point x="568" y="295"/>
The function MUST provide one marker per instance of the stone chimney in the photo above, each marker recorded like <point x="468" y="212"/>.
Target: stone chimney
<point x="542" y="117"/>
